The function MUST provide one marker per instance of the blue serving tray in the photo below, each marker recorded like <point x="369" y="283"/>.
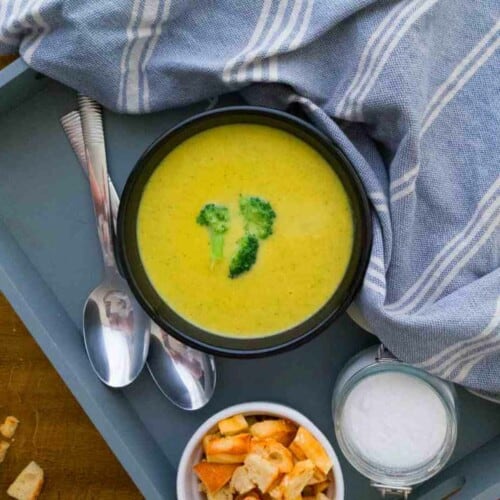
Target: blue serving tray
<point x="50" y="260"/>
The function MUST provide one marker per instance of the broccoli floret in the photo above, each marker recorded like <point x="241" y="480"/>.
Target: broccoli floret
<point x="216" y="219"/>
<point x="259" y="216"/>
<point x="245" y="256"/>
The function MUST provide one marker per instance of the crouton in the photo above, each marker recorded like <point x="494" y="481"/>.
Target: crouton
<point x="233" y="425"/>
<point x="8" y="428"/>
<point x="280" y="430"/>
<point x="231" y="445"/>
<point x="4" y="446"/>
<point x="28" y="484"/>
<point x="296" y="451"/>
<point x="226" y="458"/>
<point x="261" y="472"/>
<point x="276" y="493"/>
<point x="321" y="487"/>
<point x="214" y="476"/>
<point x="308" y="493"/>
<point x="223" y="494"/>
<point x="241" y="481"/>
<point x="273" y="452"/>
<point x="207" y="439"/>
<point x="294" y="482"/>
<point x="252" y="495"/>
<point x="312" y="449"/>
<point x="318" y="477"/>
<point x="267" y="428"/>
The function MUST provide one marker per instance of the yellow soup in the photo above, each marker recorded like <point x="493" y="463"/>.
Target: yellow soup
<point x="298" y="267"/>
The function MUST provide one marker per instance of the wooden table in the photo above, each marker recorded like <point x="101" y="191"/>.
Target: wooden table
<point x="54" y="431"/>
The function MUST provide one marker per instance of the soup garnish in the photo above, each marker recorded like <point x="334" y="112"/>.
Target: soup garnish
<point x="245" y="256"/>
<point x="216" y="219"/>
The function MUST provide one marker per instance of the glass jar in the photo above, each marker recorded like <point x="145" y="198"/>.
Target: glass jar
<point x="391" y="480"/>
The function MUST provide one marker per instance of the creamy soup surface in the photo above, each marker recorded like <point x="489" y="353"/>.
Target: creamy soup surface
<point x="298" y="267"/>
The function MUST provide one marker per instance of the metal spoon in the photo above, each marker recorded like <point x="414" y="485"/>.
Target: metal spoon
<point x="184" y="375"/>
<point x="114" y="325"/>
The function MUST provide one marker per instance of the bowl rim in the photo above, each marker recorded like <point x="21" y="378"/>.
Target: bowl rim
<point x="243" y="349"/>
<point x="261" y="408"/>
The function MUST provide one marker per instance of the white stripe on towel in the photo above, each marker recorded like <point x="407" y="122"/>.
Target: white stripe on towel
<point x="457" y="351"/>
<point x="378" y="262"/>
<point x="435" y="269"/>
<point x="457" y="79"/>
<point x="303" y="27"/>
<point x="376" y="274"/>
<point x="373" y="286"/>
<point x="257" y="51"/>
<point x="126" y="49"/>
<point x="421" y="10"/>
<point x="154" y="40"/>
<point x="143" y="35"/>
<point x="464" y="372"/>
<point x="366" y="52"/>
<point x="39" y="34"/>
<point x="378" y="51"/>
<point x="254" y="39"/>
<point x="280" y="40"/>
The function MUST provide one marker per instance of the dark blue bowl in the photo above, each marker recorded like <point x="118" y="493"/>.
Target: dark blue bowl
<point x="159" y="310"/>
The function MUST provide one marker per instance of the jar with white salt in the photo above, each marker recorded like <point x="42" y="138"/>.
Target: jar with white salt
<point x="396" y="424"/>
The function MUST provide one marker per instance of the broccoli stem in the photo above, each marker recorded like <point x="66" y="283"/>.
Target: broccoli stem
<point x="217" y="241"/>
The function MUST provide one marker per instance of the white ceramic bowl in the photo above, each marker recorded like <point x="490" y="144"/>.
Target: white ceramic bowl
<point x="187" y="482"/>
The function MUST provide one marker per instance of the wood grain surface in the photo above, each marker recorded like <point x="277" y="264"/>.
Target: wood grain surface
<point x="54" y="431"/>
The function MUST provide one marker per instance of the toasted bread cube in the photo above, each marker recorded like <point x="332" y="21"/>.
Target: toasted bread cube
<point x="4" y="446"/>
<point x="274" y="452"/>
<point x="241" y="481"/>
<point x="321" y="487"/>
<point x="318" y="477"/>
<point x="207" y="439"/>
<point x="223" y="494"/>
<point x="226" y="458"/>
<point x="261" y="472"/>
<point x="297" y="451"/>
<point x="282" y="431"/>
<point x="271" y="428"/>
<point x="284" y="438"/>
<point x="276" y="493"/>
<point x="251" y="495"/>
<point x="312" y="449"/>
<point x="294" y="482"/>
<point x="214" y="476"/>
<point x="321" y="496"/>
<point x="233" y="425"/>
<point x="8" y="428"/>
<point x="28" y="484"/>
<point x="230" y="445"/>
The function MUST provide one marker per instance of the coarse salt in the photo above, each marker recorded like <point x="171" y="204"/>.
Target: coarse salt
<point x="395" y="420"/>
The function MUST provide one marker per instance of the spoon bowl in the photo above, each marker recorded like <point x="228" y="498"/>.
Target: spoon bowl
<point x="184" y="375"/>
<point x="114" y="326"/>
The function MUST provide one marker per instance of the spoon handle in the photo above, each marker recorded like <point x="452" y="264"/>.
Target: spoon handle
<point x="72" y="125"/>
<point x="93" y="134"/>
